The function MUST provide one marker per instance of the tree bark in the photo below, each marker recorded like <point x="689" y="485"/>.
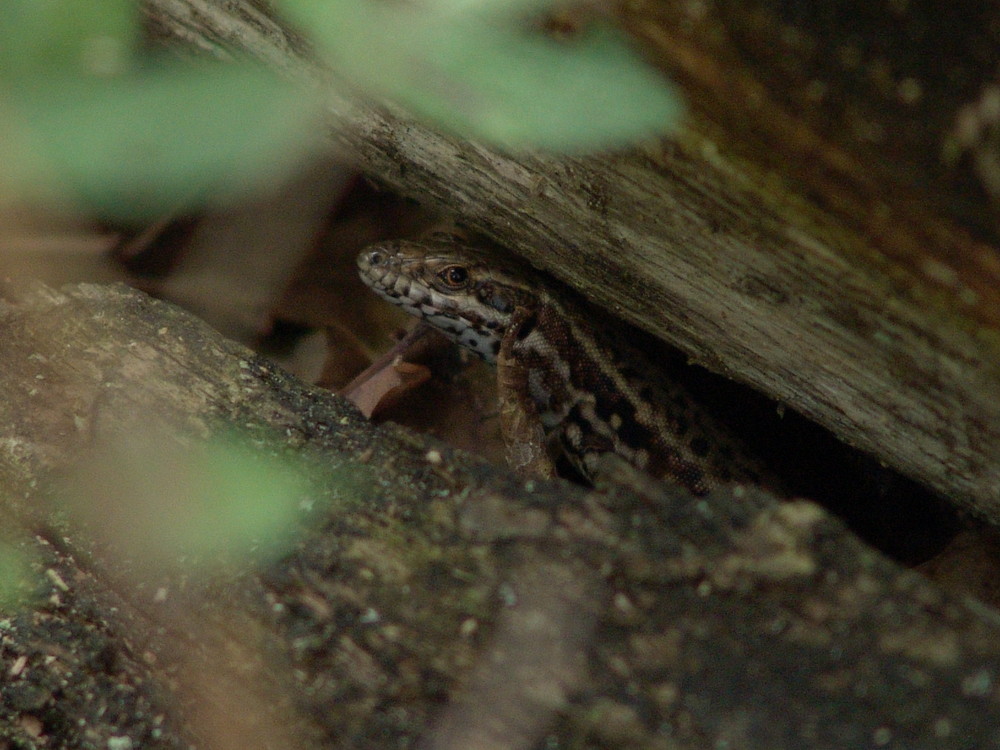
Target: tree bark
<point x="428" y="597"/>
<point x="821" y="227"/>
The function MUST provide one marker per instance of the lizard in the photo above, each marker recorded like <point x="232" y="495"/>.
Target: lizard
<point x="572" y="376"/>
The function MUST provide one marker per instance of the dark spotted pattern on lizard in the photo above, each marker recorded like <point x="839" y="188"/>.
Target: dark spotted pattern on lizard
<point x="592" y="391"/>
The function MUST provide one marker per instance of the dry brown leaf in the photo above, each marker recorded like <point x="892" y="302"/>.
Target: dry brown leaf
<point x="386" y="386"/>
<point x="388" y="378"/>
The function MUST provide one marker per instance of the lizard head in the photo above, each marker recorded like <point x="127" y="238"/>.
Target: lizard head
<point x="466" y="293"/>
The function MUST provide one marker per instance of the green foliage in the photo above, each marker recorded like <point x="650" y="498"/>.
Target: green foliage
<point x="476" y="67"/>
<point x="17" y="581"/>
<point x="84" y="114"/>
<point x="45" y="39"/>
<point x="235" y="498"/>
<point x="146" y="142"/>
<point x="159" y="503"/>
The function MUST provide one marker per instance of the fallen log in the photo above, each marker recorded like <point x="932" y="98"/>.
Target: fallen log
<point x="426" y="597"/>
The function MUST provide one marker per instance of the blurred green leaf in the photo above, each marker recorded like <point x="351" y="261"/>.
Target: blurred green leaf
<point x="250" y="500"/>
<point x="158" y="503"/>
<point x="59" y="37"/>
<point x="487" y="8"/>
<point x="144" y="143"/>
<point x="489" y="77"/>
<point x="83" y="119"/>
<point x="17" y="580"/>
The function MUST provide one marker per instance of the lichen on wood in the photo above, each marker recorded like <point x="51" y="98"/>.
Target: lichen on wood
<point x="427" y="596"/>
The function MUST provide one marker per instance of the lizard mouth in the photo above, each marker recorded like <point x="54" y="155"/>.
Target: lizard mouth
<point x="381" y="269"/>
<point x="398" y="279"/>
<point x="378" y="267"/>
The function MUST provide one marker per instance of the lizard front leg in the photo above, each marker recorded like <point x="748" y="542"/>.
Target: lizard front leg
<point x="520" y="426"/>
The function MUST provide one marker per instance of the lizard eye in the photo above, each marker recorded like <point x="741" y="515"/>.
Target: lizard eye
<point x="454" y="276"/>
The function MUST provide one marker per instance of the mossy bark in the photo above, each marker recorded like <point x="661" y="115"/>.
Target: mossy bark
<point x="428" y="596"/>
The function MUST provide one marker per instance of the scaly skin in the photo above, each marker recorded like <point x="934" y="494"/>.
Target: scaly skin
<point x="592" y="391"/>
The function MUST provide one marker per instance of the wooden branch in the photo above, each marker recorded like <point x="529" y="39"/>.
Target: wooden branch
<point x="784" y="253"/>
<point x="427" y="596"/>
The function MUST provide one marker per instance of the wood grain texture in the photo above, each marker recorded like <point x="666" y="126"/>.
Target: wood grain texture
<point x="426" y="599"/>
<point x="837" y="280"/>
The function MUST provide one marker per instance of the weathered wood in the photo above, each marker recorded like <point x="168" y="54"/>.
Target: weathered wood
<point x="770" y="238"/>
<point x="427" y="595"/>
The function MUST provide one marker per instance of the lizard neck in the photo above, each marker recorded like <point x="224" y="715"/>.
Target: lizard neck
<point x="597" y="393"/>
